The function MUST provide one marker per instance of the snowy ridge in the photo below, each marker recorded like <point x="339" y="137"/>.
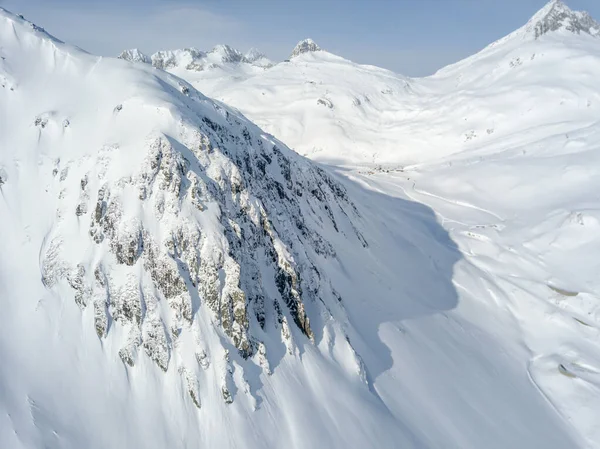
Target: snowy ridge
<point x="135" y="55"/>
<point x="555" y="21"/>
<point x="557" y="16"/>
<point x="193" y="59"/>
<point x="177" y="218"/>
<point x="188" y="251"/>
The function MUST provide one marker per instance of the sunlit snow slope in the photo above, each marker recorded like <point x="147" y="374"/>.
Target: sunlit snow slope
<point x="504" y="147"/>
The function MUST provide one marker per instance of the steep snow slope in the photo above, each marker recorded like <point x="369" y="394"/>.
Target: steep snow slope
<point x="504" y="147"/>
<point x="161" y="258"/>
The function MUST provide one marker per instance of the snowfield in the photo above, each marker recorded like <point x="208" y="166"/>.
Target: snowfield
<point x="173" y="275"/>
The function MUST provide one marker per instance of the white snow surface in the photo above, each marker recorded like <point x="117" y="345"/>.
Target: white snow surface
<point x="469" y="320"/>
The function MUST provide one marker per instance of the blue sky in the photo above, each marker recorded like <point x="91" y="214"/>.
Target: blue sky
<point x="413" y="37"/>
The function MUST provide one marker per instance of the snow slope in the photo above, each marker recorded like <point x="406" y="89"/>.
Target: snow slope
<point x="167" y="268"/>
<point x="386" y="324"/>
<point x="503" y="146"/>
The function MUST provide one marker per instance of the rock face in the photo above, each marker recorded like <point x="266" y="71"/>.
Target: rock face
<point x="305" y="46"/>
<point x="217" y="223"/>
<point x="265" y="206"/>
<point x="557" y="16"/>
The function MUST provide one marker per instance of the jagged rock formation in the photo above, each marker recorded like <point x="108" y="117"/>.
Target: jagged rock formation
<point x="305" y="46"/>
<point x="558" y="16"/>
<point x="265" y="207"/>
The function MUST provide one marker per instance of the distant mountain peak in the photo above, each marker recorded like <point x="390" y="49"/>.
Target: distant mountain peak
<point x="254" y="55"/>
<point x="227" y="53"/>
<point x="557" y="16"/>
<point x="257" y="58"/>
<point x="186" y="57"/>
<point x="305" y="46"/>
<point x="196" y="60"/>
<point x="134" y="55"/>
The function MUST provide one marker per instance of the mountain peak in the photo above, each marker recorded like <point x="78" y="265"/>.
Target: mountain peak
<point x="254" y="55"/>
<point x="134" y="55"/>
<point x="557" y="16"/>
<point x="305" y="46"/>
<point x="227" y="53"/>
<point x="257" y="58"/>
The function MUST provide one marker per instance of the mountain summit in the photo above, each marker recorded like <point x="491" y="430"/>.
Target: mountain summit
<point x="254" y="55"/>
<point x="305" y="46"/>
<point x="557" y="16"/>
<point x="135" y="55"/>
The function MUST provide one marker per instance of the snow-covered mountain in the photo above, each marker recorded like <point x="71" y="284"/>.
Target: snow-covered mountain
<point x="195" y="60"/>
<point x="223" y="64"/>
<point x="173" y="276"/>
<point x="305" y="46"/>
<point x="161" y="258"/>
<point x="325" y="106"/>
<point x="504" y="147"/>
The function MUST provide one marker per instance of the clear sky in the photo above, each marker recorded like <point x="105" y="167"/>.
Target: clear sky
<point x="413" y="37"/>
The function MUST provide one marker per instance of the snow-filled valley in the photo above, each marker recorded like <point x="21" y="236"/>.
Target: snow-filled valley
<point x="423" y="274"/>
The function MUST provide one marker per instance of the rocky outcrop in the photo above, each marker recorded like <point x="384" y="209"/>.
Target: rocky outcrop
<point x="557" y="16"/>
<point x="305" y="46"/>
<point x="218" y="223"/>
